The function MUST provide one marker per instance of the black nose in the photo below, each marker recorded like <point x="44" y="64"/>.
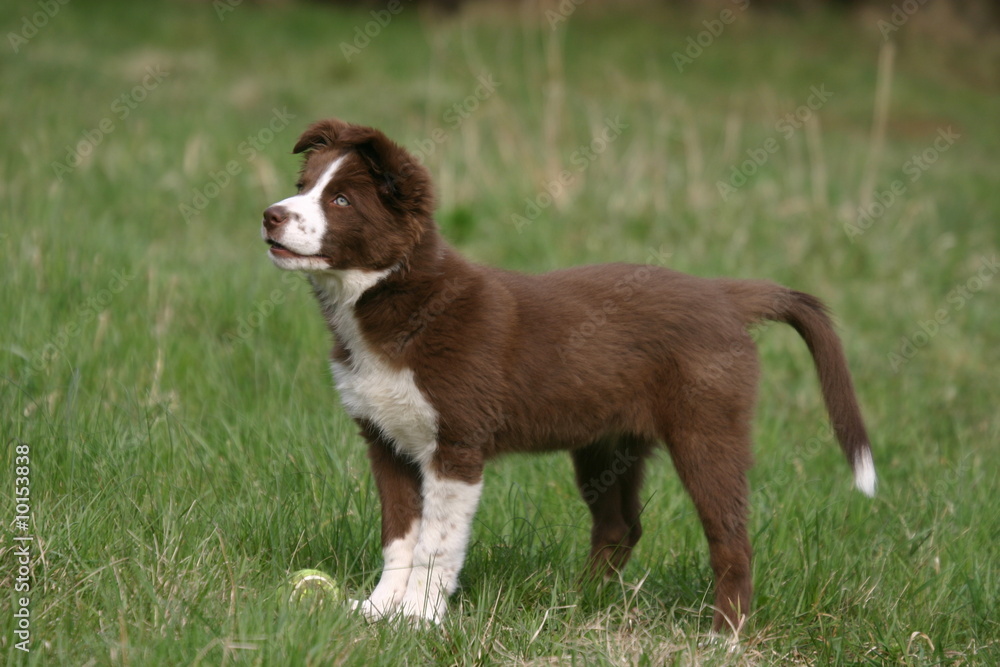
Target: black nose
<point x="274" y="217"/>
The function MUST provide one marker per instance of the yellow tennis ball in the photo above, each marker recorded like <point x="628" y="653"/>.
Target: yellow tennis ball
<point x="312" y="587"/>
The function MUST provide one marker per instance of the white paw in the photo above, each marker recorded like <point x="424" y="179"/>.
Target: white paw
<point x="420" y="608"/>
<point x="374" y="610"/>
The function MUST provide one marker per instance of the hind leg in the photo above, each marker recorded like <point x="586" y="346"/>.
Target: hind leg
<point x="713" y="469"/>
<point x="609" y="475"/>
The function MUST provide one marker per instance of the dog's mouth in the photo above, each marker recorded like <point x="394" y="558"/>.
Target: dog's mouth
<point x="278" y="250"/>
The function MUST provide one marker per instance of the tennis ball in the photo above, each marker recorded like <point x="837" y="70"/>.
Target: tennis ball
<point x="312" y="587"/>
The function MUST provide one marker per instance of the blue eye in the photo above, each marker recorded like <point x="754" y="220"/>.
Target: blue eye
<point x="341" y="200"/>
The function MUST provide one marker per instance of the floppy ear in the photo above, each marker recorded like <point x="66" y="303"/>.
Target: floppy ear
<point x="320" y="134"/>
<point x="372" y="145"/>
<point x="402" y="181"/>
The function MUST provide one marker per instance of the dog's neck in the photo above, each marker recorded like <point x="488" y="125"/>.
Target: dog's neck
<point x="339" y="291"/>
<point x="388" y="297"/>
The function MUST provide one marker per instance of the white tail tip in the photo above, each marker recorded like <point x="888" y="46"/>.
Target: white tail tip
<point x="864" y="473"/>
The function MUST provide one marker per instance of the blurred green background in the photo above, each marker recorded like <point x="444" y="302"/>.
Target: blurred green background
<point x="187" y="449"/>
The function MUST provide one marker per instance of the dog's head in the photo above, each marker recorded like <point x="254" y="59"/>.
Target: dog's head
<point x="363" y="203"/>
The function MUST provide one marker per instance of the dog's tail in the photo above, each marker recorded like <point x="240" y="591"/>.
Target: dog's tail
<point x="806" y="314"/>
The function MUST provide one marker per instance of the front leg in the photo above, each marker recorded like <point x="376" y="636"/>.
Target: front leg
<point x="451" y="491"/>
<point x="398" y="481"/>
<point x="427" y="516"/>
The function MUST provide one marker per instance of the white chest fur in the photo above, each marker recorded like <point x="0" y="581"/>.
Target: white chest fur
<point x="369" y="387"/>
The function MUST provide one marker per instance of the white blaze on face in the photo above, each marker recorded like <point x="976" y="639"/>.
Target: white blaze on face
<point x="303" y="233"/>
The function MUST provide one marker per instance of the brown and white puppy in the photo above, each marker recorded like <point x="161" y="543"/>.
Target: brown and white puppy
<point x="445" y="364"/>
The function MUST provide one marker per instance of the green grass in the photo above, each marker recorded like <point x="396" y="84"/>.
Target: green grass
<point x="187" y="447"/>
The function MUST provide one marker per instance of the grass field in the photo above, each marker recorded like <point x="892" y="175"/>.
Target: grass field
<point x="185" y="447"/>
